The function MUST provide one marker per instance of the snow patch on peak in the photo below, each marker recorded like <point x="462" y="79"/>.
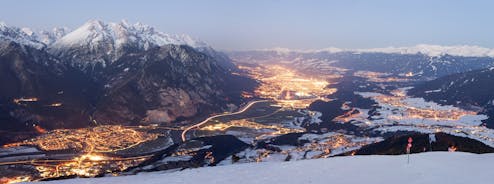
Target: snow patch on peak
<point x="49" y="37"/>
<point x="28" y="31"/>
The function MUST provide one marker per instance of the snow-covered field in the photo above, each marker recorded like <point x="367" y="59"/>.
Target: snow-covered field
<point x="398" y="112"/>
<point x="431" y="167"/>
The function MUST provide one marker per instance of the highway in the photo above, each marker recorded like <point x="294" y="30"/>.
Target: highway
<point x="184" y="138"/>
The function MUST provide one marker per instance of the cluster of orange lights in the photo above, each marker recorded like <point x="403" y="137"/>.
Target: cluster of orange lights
<point x="331" y="143"/>
<point x="87" y="165"/>
<point x="15" y="179"/>
<point x="277" y="130"/>
<point x="288" y="87"/>
<point x="421" y="113"/>
<point x="92" y="142"/>
<point x="107" y="138"/>
<point x="23" y="100"/>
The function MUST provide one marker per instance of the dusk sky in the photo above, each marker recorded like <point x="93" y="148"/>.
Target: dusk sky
<point x="255" y="24"/>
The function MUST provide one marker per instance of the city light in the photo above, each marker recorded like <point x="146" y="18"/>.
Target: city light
<point x="105" y="138"/>
<point x="289" y="88"/>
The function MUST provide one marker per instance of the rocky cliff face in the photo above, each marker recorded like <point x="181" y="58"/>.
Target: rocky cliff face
<point x="33" y="82"/>
<point x="160" y="85"/>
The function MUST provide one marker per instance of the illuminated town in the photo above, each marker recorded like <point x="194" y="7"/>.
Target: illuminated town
<point x="97" y="139"/>
<point x="289" y="87"/>
<point x="87" y="165"/>
<point x="88" y="145"/>
<point x="398" y="112"/>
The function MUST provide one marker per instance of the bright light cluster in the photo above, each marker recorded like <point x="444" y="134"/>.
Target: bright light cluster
<point x="289" y="87"/>
<point x="106" y="138"/>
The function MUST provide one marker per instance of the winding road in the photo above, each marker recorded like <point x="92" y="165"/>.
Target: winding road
<point x="184" y="138"/>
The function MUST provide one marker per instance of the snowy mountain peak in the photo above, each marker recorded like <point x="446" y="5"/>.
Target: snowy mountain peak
<point x="28" y="31"/>
<point x="49" y="37"/>
<point x="89" y="33"/>
<point x="123" y="33"/>
<point x="101" y="42"/>
<point x="22" y="36"/>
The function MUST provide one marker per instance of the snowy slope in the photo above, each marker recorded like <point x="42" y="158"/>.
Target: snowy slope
<point x="432" y="167"/>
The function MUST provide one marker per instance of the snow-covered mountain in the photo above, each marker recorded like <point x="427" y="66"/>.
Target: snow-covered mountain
<point x="96" y="32"/>
<point x="436" y="50"/>
<point x="400" y="63"/>
<point x="105" y="42"/>
<point x="123" y="74"/>
<point x="49" y="37"/>
<point x="426" y="49"/>
<point x="101" y="42"/>
<point x="22" y="36"/>
<point x="431" y="167"/>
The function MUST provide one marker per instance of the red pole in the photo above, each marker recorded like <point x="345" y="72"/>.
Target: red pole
<point x="409" y="145"/>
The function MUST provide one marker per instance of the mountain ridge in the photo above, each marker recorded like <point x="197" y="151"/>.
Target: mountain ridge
<point x="148" y="79"/>
<point x="431" y="50"/>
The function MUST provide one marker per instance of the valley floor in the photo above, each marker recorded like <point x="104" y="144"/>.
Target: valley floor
<point x="431" y="167"/>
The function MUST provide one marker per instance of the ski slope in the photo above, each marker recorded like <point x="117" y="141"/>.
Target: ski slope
<point x="432" y="167"/>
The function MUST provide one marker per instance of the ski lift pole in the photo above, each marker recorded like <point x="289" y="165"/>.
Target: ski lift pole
<point x="408" y="158"/>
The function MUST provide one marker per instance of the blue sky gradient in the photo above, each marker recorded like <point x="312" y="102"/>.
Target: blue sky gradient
<point x="298" y="24"/>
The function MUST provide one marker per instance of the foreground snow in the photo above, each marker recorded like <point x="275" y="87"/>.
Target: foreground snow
<point x="433" y="167"/>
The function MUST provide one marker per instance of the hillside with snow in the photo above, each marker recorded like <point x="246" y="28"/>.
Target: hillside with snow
<point x="431" y="167"/>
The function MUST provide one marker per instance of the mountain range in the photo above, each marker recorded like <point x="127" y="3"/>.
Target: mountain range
<point x="397" y="62"/>
<point x="110" y="73"/>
